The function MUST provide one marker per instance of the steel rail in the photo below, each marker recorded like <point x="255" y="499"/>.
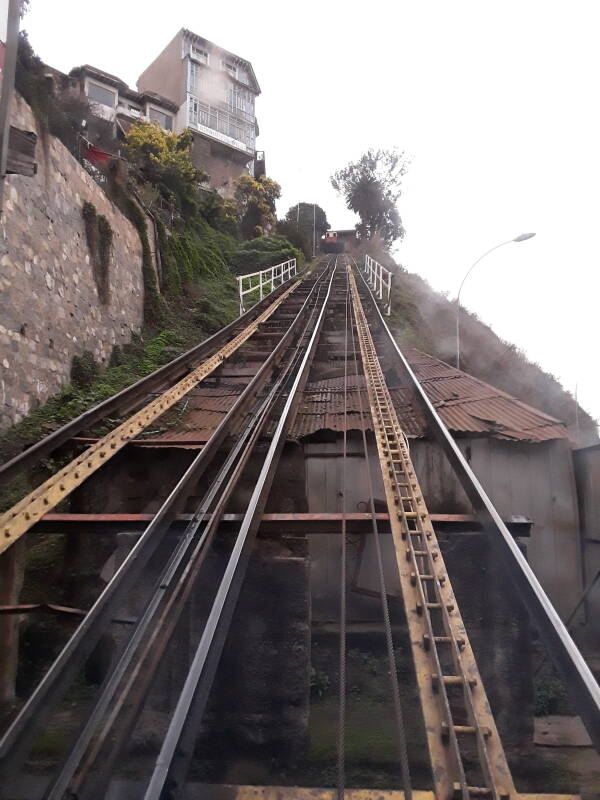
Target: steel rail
<point x="16" y="739"/>
<point x="562" y="649"/>
<point x="130" y="397"/>
<point x="139" y="679"/>
<point x="191" y="723"/>
<point x="173" y="758"/>
<point x="60" y="785"/>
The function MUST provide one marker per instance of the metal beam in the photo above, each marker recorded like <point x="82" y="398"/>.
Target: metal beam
<point x="298" y="523"/>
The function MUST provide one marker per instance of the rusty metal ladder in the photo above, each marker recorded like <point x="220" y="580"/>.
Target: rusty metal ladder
<point x="459" y="725"/>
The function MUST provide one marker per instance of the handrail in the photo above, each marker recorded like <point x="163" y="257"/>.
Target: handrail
<point x="271" y="277"/>
<point x="380" y="280"/>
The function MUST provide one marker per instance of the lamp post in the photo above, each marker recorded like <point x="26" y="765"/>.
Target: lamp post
<point x="521" y="238"/>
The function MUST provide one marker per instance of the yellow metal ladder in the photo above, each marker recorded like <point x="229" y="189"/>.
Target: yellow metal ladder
<point x="456" y="712"/>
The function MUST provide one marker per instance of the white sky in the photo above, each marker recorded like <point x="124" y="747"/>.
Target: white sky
<point x="496" y="103"/>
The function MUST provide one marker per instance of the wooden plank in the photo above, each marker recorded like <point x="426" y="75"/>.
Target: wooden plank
<point x="212" y="791"/>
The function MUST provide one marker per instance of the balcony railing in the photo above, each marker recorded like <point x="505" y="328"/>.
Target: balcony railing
<point x="203" y="115"/>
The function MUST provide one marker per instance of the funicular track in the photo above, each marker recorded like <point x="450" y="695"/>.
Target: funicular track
<point x="466" y="756"/>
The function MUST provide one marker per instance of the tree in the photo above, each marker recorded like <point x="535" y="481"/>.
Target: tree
<point x="254" y="200"/>
<point x="163" y="159"/>
<point x="296" y="236"/>
<point x="371" y="187"/>
<point x="300" y="216"/>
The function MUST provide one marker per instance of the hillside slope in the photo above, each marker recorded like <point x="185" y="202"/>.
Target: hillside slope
<point x="426" y="319"/>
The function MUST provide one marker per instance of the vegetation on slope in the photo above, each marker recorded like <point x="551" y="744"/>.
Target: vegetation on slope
<point x="426" y="319"/>
<point x="201" y="248"/>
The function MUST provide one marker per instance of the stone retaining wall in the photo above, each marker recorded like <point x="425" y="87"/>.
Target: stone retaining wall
<point x="50" y="310"/>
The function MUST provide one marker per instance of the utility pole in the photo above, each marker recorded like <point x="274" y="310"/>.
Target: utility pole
<point x="314" y="229"/>
<point x="10" y="16"/>
<point x="522" y="238"/>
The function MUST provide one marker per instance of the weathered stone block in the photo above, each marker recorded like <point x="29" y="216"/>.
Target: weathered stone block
<point x="46" y="279"/>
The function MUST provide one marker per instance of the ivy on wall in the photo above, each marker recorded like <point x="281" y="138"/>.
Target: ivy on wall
<point x="99" y="236"/>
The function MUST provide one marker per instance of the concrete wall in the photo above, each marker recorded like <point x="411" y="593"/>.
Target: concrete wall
<point x="166" y="74"/>
<point x="50" y="310"/>
<point x="222" y="165"/>
<point x="533" y="480"/>
<point x="587" y="468"/>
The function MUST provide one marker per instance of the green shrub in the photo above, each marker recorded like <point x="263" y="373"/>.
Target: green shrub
<point x="265" y="251"/>
<point x="83" y="369"/>
<point x="550" y="694"/>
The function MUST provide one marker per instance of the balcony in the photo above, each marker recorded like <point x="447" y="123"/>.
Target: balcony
<point x="221" y="125"/>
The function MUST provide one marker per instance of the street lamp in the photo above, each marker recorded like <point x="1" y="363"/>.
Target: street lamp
<point x="521" y="238"/>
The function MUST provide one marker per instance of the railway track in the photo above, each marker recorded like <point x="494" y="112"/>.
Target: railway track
<point x="274" y="344"/>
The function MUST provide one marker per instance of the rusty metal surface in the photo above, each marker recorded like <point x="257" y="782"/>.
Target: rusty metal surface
<point x="469" y="405"/>
<point x="466" y="404"/>
<point x="205" y="410"/>
<point x="322" y="407"/>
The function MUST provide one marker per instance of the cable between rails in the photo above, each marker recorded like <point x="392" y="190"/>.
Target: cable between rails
<point x="341" y="744"/>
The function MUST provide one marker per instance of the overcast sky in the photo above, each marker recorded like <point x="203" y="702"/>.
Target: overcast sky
<point x="495" y="102"/>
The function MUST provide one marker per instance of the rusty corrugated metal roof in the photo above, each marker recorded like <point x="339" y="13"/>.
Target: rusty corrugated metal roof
<point x="195" y="418"/>
<point x="466" y="404"/>
<point x="469" y="405"/>
<point x="322" y="408"/>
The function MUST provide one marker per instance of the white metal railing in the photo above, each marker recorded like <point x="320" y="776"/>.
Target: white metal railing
<point x="222" y="122"/>
<point x="380" y="280"/>
<point x="265" y="281"/>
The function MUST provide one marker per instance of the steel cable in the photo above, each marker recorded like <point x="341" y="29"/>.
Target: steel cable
<point x="341" y="751"/>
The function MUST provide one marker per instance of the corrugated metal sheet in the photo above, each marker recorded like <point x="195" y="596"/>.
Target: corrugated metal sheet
<point x="322" y="408"/>
<point x="469" y="405"/>
<point x="466" y="404"/>
<point x="196" y="417"/>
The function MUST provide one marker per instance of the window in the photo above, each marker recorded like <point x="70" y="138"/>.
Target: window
<point x="193" y="109"/>
<point x="229" y="66"/>
<point x="240" y="100"/>
<point x="199" y="53"/>
<point x="102" y="95"/>
<point x="164" y="120"/>
<point x="193" y="77"/>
